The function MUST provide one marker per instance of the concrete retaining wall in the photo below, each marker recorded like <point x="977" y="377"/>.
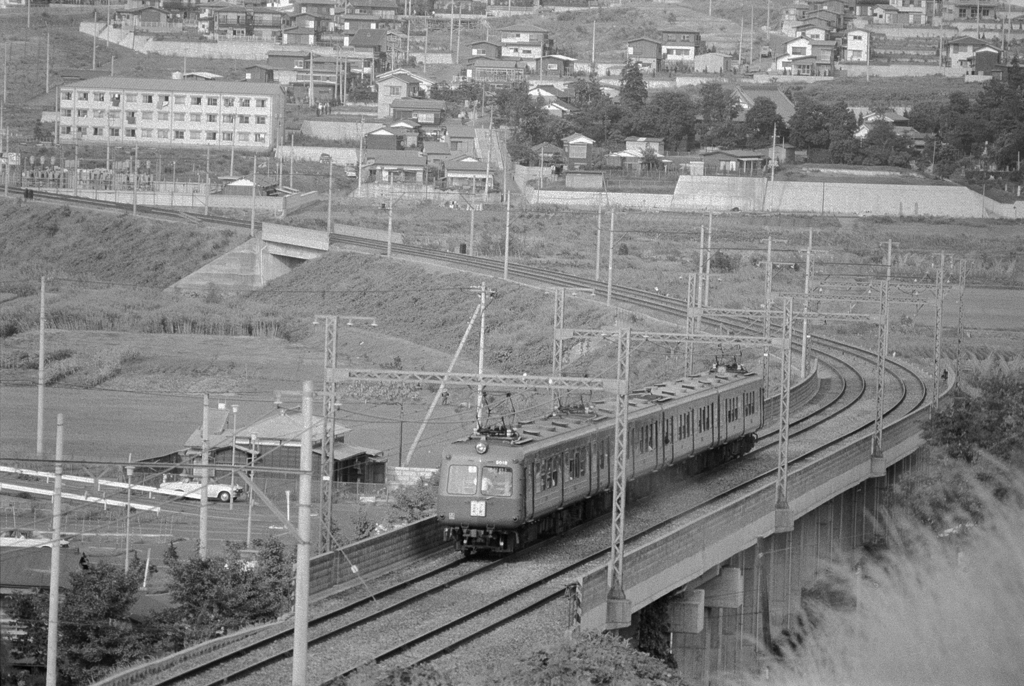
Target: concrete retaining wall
<point x="341" y="130"/>
<point x="890" y="70"/>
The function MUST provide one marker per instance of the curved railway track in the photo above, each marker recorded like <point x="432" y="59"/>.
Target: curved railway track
<point x="455" y="602"/>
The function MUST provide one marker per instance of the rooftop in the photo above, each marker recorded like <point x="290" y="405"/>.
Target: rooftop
<point x="179" y="86"/>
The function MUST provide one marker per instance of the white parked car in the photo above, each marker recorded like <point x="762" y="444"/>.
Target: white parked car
<point x="189" y="488"/>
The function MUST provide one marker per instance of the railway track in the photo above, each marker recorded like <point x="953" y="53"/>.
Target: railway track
<point x="437" y="612"/>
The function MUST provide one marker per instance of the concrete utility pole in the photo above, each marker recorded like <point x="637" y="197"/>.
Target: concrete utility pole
<point x="252" y="213"/>
<point x="877" y="451"/>
<point x="940" y="276"/>
<point x="597" y="257"/>
<point x="41" y="381"/>
<point x="611" y="257"/>
<point x="302" y="553"/>
<point x="330" y="194"/>
<point x="204" y="500"/>
<point x="52" y="620"/>
<point x="47" y="61"/>
<point x="508" y="229"/>
<point x="95" y="32"/>
<point x="807" y="292"/>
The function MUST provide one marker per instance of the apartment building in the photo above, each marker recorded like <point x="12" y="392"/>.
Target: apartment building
<point x="171" y="112"/>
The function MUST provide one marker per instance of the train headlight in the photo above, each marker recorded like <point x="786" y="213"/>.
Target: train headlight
<point x="481" y="447"/>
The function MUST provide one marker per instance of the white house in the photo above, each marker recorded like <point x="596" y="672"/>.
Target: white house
<point x="858" y="46"/>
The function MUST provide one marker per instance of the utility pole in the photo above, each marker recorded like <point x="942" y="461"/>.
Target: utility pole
<point x="95" y="32"/>
<point x="877" y="467"/>
<point x="41" y="381"/>
<point x="391" y="213"/>
<point x="204" y="500"/>
<point x="480" y="359"/>
<point x="129" y="470"/>
<point x="330" y="193"/>
<point x="807" y="292"/>
<point x="135" y="180"/>
<point x="302" y="553"/>
<point x="47" y="61"/>
<point x="593" y="47"/>
<point x="940" y="276"/>
<point x="508" y="228"/>
<point x="472" y="229"/>
<point x="597" y="256"/>
<point x="252" y="212"/>
<point x="611" y="256"/>
<point x="52" y="620"/>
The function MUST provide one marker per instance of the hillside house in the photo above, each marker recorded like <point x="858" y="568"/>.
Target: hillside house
<point x="437" y="152"/>
<point x="427" y="113"/>
<point x="461" y="138"/>
<point x="813" y="32"/>
<point x="646" y="52"/>
<point x="858" y="46"/>
<point x="643" y="143"/>
<point x="547" y="93"/>
<point x="747" y="94"/>
<point x="259" y="73"/>
<point x="578" y="150"/>
<point x="386" y="9"/>
<point x="734" y="162"/>
<point x="485" y="48"/>
<point x="806" y="57"/>
<point x="525" y="42"/>
<point x="959" y="51"/>
<point x="396" y="166"/>
<point x="467" y="174"/>
<point x="712" y="63"/>
<point x="486" y="70"/>
<point x="679" y="45"/>
<point x="555" y="66"/>
<point x="970" y="10"/>
<point x="558" y="108"/>
<point x="392" y="86"/>
<point x="383" y="138"/>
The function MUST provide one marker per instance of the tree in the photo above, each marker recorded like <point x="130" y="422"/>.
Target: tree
<point x="632" y="88"/>
<point x="670" y="115"/>
<point x="222" y="594"/>
<point x="95" y="634"/>
<point x="717" y="105"/>
<point x="412" y="503"/>
<point x="883" y="146"/>
<point x="762" y="122"/>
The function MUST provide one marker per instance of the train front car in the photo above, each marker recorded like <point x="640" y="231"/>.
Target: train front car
<point x="480" y="499"/>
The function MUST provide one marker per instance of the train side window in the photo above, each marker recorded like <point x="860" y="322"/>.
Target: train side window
<point x="462" y="479"/>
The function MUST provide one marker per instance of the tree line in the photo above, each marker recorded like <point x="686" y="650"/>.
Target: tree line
<point x="963" y="134"/>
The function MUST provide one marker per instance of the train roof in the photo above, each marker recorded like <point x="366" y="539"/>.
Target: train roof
<point x="561" y="423"/>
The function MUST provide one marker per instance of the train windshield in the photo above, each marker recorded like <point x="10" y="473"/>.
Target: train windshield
<point x="462" y="479"/>
<point x="496" y="481"/>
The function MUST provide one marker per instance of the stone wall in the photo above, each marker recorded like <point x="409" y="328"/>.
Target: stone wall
<point x="889" y="70"/>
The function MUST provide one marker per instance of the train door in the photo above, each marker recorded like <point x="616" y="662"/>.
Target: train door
<point x="530" y="488"/>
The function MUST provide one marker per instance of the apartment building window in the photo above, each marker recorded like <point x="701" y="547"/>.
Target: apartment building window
<point x="147" y="133"/>
<point x="97" y="131"/>
<point x="83" y="95"/>
<point x="163" y="116"/>
<point x="65" y="95"/>
<point x="130" y="133"/>
<point x="197" y="100"/>
<point x="261" y="120"/>
<point x="227" y="136"/>
<point x="179" y="116"/>
<point x="179" y="135"/>
<point x="115" y="131"/>
<point x="229" y="118"/>
<point x="148" y="98"/>
<point x="244" y="102"/>
<point x="195" y="117"/>
<point x="65" y="130"/>
<point x="163" y="133"/>
<point x="243" y="138"/>
<point x="178" y="99"/>
<point x="211" y="135"/>
<point x="83" y="113"/>
<point x="229" y="102"/>
<point x="211" y="118"/>
<point x="99" y="97"/>
<point x="260" y="137"/>
<point x="130" y="97"/>
<point x="243" y="119"/>
<point x="82" y="130"/>
<point x="195" y="135"/>
<point x="261" y="102"/>
<point x="65" y="113"/>
<point x="211" y="101"/>
<point x="99" y="113"/>
<point x="147" y="116"/>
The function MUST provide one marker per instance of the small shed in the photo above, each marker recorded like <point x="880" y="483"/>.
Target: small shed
<point x="259" y="73"/>
<point x="578" y="150"/>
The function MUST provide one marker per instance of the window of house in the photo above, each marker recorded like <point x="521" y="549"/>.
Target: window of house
<point x="261" y="102"/>
<point x="197" y="100"/>
<point x="195" y="135"/>
<point x="97" y="131"/>
<point x="82" y="130"/>
<point x="147" y="133"/>
<point x="99" y="113"/>
<point x="130" y="133"/>
<point x="131" y="97"/>
<point x="179" y="116"/>
<point x="147" y="116"/>
<point x="65" y="112"/>
<point x="394" y="90"/>
<point x="99" y="97"/>
<point x="226" y="136"/>
<point x="211" y="101"/>
<point x="211" y="135"/>
<point x="163" y="133"/>
<point x="179" y="134"/>
<point x="243" y="119"/>
<point x="65" y="130"/>
<point x="260" y="137"/>
<point x="211" y="118"/>
<point x="147" y="98"/>
<point x="243" y="138"/>
<point x="229" y="102"/>
<point x="115" y="131"/>
<point x="244" y="102"/>
<point x="195" y="117"/>
<point x="229" y="118"/>
<point x="83" y="96"/>
<point x="65" y="95"/>
<point x="178" y="99"/>
<point x="261" y="120"/>
<point x="83" y="113"/>
<point x="163" y="116"/>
